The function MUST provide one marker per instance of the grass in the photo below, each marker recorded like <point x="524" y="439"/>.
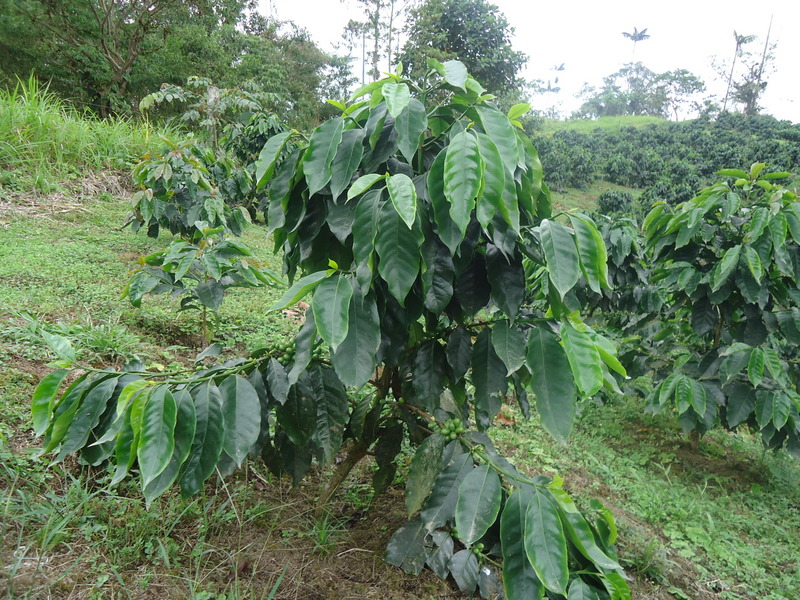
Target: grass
<point x="585" y="199"/>
<point x="609" y="124"/>
<point x="45" y="142"/>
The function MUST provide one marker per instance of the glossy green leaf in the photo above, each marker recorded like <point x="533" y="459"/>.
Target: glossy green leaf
<point x="755" y="366"/>
<point x="268" y="157"/>
<point x="87" y="416"/>
<point x="455" y="73"/>
<point x="365" y="229"/>
<point x="519" y="578"/>
<point x="490" y="198"/>
<point x="552" y="383"/>
<point x="397" y="96"/>
<point x="507" y="281"/>
<point x="509" y="344"/>
<point x="362" y="184"/>
<point x="60" y="345"/>
<point x="332" y="414"/>
<point x="479" y="498"/>
<point x="398" y="252"/>
<point x="561" y="255"/>
<point x="428" y="372"/>
<point x="753" y="262"/>
<point x="583" y="538"/>
<point x="584" y="360"/>
<point x="331" y="305"/>
<point x="723" y="269"/>
<point x="411" y="124"/>
<point x="459" y="352"/>
<point x="488" y="373"/>
<point x="738" y="173"/>
<point x="518" y="110"/>
<point x="446" y="228"/>
<point x="437" y="276"/>
<point x="43" y="398"/>
<point x="356" y="357"/>
<point x="347" y="160"/>
<point x="580" y="590"/>
<point x="546" y="543"/>
<point x="407" y="549"/>
<point x="733" y="364"/>
<point x="463" y="174"/>
<point x="616" y="586"/>
<point x="497" y="126"/>
<point x="441" y="504"/>
<point x="125" y="448"/>
<point x="210" y="294"/>
<point x="425" y="467"/>
<point x="208" y="439"/>
<point x="321" y="151"/>
<point x="592" y="252"/>
<point x="157" y="438"/>
<point x="241" y="412"/>
<point x="439" y="559"/>
<point x="464" y="569"/>
<point x="684" y="394"/>
<point x="185" y="424"/>
<point x="404" y="197"/>
<point x="772" y="406"/>
<point x="300" y="288"/>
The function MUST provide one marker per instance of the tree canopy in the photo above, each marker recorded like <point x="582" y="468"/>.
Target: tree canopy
<point x="108" y="55"/>
<point x="473" y="31"/>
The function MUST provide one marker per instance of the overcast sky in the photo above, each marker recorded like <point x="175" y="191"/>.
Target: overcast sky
<point x="586" y="36"/>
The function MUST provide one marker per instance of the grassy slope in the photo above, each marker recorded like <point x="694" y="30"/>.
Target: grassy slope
<point x="719" y="521"/>
<point x="611" y="124"/>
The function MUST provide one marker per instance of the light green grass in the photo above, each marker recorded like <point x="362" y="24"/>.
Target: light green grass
<point x="45" y="142"/>
<point x="610" y="124"/>
<point x="585" y="199"/>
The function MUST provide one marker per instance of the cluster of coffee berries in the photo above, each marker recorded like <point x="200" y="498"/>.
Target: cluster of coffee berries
<point x="284" y="353"/>
<point x="450" y="429"/>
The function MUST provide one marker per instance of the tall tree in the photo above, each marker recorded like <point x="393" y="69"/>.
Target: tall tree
<point x="741" y="40"/>
<point x="636" y="90"/>
<point x="377" y="31"/>
<point x="472" y="31"/>
<point x="100" y="40"/>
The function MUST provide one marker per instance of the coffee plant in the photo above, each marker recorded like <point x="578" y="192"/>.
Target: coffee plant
<point x="180" y="189"/>
<point x="727" y="263"/>
<point x="198" y="273"/>
<point x="440" y="287"/>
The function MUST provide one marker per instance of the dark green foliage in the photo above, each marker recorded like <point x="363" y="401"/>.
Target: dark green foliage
<point x="181" y="188"/>
<point x="474" y="32"/>
<point x="672" y="160"/>
<point x="708" y="296"/>
<point x="615" y="202"/>
<point x="108" y="55"/>
<point x="414" y="259"/>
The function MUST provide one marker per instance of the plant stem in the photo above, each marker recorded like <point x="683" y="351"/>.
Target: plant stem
<point x="354" y="455"/>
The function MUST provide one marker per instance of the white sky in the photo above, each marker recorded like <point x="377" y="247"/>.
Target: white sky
<point x="586" y="35"/>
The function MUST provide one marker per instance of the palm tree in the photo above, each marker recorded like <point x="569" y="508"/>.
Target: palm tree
<point x="741" y="40"/>
<point x="635" y="37"/>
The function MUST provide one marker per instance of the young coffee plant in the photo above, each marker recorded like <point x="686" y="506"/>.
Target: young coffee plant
<point x="411" y="220"/>
<point x="210" y="109"/>
<point x="199" y="274"/>
<point x="728" y="264"/>
<point x="180" y="188"/>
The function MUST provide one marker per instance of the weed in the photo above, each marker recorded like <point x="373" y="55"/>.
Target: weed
<point x="325" y="531"/>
